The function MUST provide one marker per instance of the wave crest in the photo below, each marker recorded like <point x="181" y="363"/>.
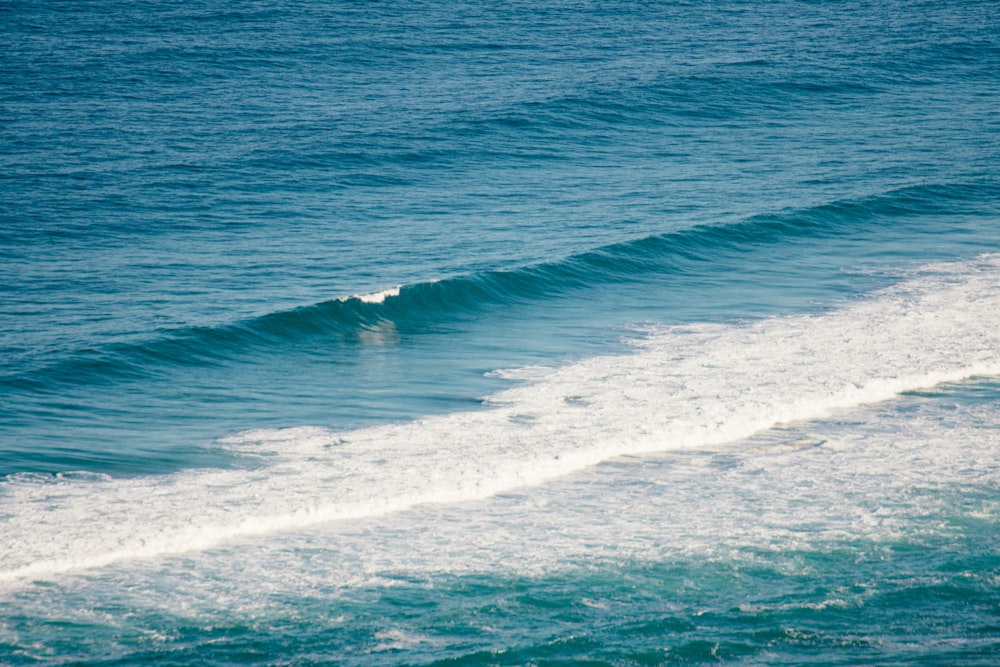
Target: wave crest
<point x="377" y="317"/>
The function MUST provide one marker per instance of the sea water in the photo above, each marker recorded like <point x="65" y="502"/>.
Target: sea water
<point x="499" y="333"/>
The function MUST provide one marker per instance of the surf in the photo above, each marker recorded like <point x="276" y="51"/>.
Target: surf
<point x="678" y="387"/>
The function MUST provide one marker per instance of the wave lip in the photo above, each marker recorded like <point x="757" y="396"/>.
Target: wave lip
<point x="378" y="297"/>
<point x="680" y="387"/>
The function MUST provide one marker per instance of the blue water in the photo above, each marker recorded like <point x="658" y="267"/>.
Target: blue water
<point x="499" y="333"/>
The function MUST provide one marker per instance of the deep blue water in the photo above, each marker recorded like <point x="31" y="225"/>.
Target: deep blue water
<point x="499" y="333"/>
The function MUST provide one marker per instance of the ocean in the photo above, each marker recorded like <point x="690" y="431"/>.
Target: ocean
<point x="499" y="333"/>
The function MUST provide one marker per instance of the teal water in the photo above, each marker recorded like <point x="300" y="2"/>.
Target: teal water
<point x="482" y="333"/>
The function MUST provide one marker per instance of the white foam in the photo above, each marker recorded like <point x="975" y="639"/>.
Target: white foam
<point x="911" y="470"/>
<point x="378" y="297"/>
<point x="697" y="386"/>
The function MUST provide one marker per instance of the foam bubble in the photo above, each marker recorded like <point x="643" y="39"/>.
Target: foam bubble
<point x="690" y="387"/>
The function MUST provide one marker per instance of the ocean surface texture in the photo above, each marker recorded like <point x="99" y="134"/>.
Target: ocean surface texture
<point x="499" y="333"/>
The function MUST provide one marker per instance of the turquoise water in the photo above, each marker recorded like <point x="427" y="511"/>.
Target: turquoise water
<point x="499" y="333"/>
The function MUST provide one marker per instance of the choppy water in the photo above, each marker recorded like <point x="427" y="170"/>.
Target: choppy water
<point x="499" y="333"/>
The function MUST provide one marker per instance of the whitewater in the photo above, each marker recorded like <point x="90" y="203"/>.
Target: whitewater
<point x="681" y="388"/>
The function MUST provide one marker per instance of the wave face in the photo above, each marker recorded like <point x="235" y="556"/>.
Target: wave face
<point x="357" y="318"/>
<point x="499" y="332"/>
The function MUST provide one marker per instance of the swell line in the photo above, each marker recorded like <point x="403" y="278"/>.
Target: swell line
<point x="347" y="319"/>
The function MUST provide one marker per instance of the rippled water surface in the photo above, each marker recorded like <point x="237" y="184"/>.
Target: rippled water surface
<point x="499" y="333"/>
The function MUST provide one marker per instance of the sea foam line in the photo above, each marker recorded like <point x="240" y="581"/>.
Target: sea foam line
<point x="681" y="387"/>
